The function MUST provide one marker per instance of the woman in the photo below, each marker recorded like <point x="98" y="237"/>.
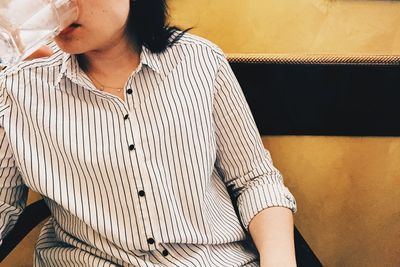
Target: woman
<point x="141" y="143"/>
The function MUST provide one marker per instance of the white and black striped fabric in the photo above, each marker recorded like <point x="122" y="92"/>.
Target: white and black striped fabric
<point x="171" y="176"/>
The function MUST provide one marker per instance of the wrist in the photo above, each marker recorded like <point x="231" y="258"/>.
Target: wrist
<point x="282" y="262"/>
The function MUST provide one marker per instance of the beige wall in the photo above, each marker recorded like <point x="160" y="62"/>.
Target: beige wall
<point x="294" y="26"/>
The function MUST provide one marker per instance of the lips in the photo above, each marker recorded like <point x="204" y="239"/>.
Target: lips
<point x="70" y="29"/>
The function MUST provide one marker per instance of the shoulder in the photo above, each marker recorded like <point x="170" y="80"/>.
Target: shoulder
<point x="196" y="53"/>
<point x="189" y="42"/>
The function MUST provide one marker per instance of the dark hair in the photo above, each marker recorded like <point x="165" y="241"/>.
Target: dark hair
<point x="147" y="25"/>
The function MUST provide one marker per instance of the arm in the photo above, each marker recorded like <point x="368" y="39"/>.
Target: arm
<point x="265" y="205"/>
<point x="13" y="192"/>
<point x="272" y="233"/>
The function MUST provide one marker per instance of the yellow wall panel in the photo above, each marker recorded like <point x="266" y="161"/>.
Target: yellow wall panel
<point x="347" y="194"/>
<point x="294" y="26"/>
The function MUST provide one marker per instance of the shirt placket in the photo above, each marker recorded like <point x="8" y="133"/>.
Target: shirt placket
<point x="150" y="238"/>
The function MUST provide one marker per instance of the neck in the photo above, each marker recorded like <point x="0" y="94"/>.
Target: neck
<point x="118" y="59"/>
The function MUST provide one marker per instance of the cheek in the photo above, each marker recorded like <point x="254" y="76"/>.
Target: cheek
<point x="119" y="13"/>
<point x="105" y="21"/>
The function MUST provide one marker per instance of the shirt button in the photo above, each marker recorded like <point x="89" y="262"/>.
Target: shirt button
<point x="165" y="253"/>
<point x="131" y="147"/>
<point x="129" y="91"/>
<point x="151" y="241"/>
<point x="126" y="117"/>
<point x="142" y="193"/>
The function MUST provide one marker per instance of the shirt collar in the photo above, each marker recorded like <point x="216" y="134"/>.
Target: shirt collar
<point x="70" y="67"/>
<point x="150" y="59"/>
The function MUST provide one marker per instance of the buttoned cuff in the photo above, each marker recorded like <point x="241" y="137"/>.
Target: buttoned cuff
<point x="254" y="199"/>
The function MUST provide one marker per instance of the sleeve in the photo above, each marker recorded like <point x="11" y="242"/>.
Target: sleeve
<point x="13" y="192"/>
<point x="245" y="166"/>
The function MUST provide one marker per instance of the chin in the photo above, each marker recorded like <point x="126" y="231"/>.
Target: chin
<point x="70" y="45"/>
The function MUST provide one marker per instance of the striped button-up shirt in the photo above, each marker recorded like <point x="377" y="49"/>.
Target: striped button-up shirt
<point x="170" y="176"/>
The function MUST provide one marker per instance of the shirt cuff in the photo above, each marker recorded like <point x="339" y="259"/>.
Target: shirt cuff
<point x="256" y="198"/>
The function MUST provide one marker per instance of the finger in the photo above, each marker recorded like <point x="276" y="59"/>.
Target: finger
<point x="44" y="51"/>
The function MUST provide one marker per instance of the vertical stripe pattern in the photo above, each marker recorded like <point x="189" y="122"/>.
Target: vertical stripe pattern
<point x="171" y="176"/>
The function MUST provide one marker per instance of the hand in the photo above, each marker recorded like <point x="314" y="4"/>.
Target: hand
<point x="44" y="51"/>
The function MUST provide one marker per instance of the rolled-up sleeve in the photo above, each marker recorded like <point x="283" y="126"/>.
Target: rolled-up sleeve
<point x="242" y="161"/>
<point x="13" y="192"/>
